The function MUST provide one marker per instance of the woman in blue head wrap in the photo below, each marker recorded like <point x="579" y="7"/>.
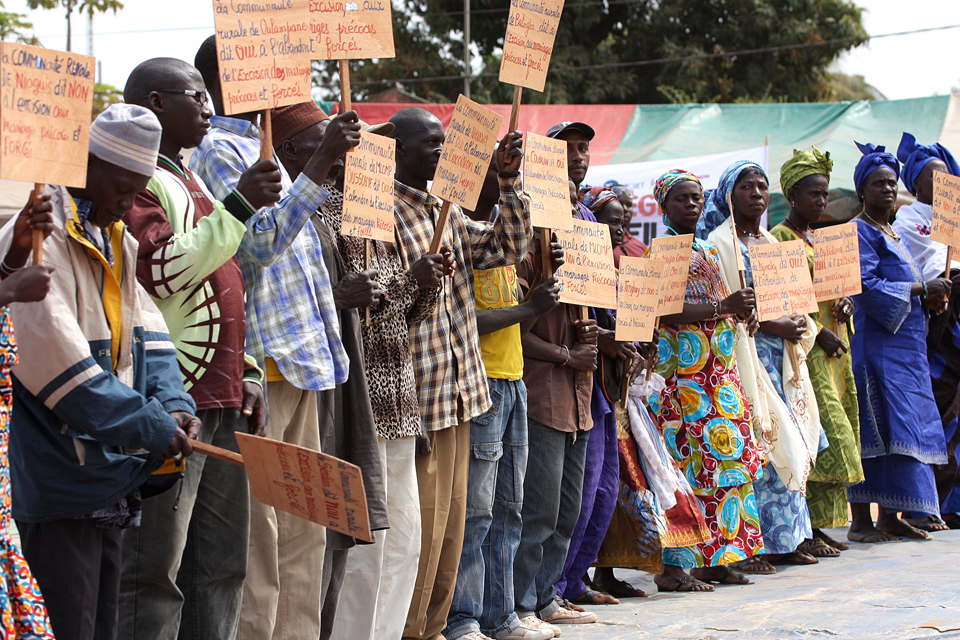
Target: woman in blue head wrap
<point x="775" y="377"/>
<point x="901" y="435"/>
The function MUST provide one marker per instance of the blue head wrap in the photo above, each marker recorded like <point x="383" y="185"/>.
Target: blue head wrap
<point x="873" y="158"/>
<point x="715" y="209"/>
<point x="915" y="157"/>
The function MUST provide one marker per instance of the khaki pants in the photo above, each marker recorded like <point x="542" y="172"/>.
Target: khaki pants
<point x="442" y="476"/>
<point x="281" y="593"/>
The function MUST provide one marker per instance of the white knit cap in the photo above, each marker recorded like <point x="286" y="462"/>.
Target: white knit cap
<point x="128" y="136"/>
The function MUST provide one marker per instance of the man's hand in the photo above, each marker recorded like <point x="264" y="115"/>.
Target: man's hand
<point x="342" y="134"/>
<point x="260" y="184"/>
<point x="545" y="297"/>
<point x="449" y="260"/>
<point x="39" y="216"/>
<point x="583" y="357"/>
<point x="188" y="426"/>
<point x="509" y="155"/>
<point x="254" y="407"/>
<point x="358" y="290"/>
<point x="428" y="270"/>
<point x="422" y="446"/>
<point x="587" y="330"/>
<point x="556" y="254"/>
<point x="607" y="342"/>
<point x="26" y="285"/>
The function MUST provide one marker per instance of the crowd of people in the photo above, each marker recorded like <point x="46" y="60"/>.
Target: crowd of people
<point x="508" y="442"/>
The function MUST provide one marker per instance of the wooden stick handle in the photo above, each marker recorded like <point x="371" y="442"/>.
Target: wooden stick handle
<point x="441" y="227"/>
<point x="741" y="266"/>
<point x="547" y="267"/>
<point x="345" y="102"/>
<point x="266" y="136"/>
<point x="625" y="382"/>
<point x="653" y="354"/>
<point x="38" y="233"/>
<point x="946" y="269"/>
<point x="224" y="455"/>
<point x="515" y="111"/>
<point x="366" y="265"/>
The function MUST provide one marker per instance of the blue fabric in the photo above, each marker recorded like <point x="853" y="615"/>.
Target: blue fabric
<point x="873" y="158"/>
<point x="715" y="209"/>
<point x="483" y="598"/>
<point x="914" y="155"/>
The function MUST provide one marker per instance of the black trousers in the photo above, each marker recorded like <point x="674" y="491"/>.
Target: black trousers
<point x="77" y="567"/>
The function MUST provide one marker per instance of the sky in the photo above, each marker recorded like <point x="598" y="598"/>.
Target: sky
<point x="175" y="28"/>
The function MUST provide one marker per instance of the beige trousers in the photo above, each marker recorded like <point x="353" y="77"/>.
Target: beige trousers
<point x="281" y="593"/>
<point x="442" y="476"/>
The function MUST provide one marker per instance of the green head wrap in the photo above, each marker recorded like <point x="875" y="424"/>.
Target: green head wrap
<point x="803" y="164"/>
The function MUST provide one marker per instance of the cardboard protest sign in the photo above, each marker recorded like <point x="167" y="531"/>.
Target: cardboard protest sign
<point x="674" y="252"/>
<point x="307" y="484"/>
<point x="368" y="188"/>
<point x="264" y="56"/>
<point x="528" y="43"/>
<point x="545" y="181"/>
<point x="467" y="151"/>
<point x="638" y="298"/>
<point x="46" y="99"/>
<point x="836" y="262"/>
<point x="587" y="276"/>
<point x="781" y="279"/>
<point x="351" y="30"/>
<point x="946" y="209"/>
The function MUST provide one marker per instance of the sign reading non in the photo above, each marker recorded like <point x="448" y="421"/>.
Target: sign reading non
<point x="307" y="484"/>
<point x="836" y="262"/>
<point x="587" y="277"/>
<point x="545" y="181"/>
<point x="368" y="188"/>
<point x="467" y="151"/>
<point x="638" y="298"/>
<point x="674" y="252"/>
<point x="351" y="30"/>
<point x="946" y="209"/>
<point x="781" y="279"/>
<point x="46" y="99"/>
<point x="528" y="43"/>
<point x="264" y="52"/>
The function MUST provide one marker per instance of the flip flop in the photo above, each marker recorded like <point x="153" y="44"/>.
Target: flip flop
<point x="797" y="557"/>
<point x="754" y="565"/>
<point x="623" y="589"/>
<point x="836" y="544"/>
<point x="594" y="597"/>
<point x="927" y="523"/>
<point x="818" y="548"/>
<point x="685" y="584"/>
<point x="732" y="576"/>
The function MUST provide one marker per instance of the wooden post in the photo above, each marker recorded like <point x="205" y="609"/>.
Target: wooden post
<point x="366" y="265"/>
<point x="38" y="233"/>
<point x="584" y="313"/>
<point x="656" y="325"/>
<point x="345" y="103"/>
<point x="946" y="269"/>
<point x="741" y="267"/>
<point x="224" y="455"/>
<point x="441" y="227"/>
<point x="266" y="136"/>
<point x="545" y="237"/>
<point x="625" y="382"/>
<point x="515" y="111"/>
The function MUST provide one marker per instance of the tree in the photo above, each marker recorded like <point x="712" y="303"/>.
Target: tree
<point x="14" y="26"/>
<point x="80" y="6"/>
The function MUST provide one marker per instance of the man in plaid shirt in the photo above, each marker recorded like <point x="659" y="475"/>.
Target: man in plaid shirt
<point x="451" y="379"/>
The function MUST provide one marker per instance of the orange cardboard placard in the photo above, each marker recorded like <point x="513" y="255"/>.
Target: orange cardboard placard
<point x="946" y="209"/>
<point x="46" y="99"/>
<point x="467" y="151"/>
<point x="351" y="30"/>
<point x="368" y="188"/>
<point x="587" y="277"/>
<point x="264" y="55"/>
<point x="674" y="252"/>
<point x="545" y="181"/>
<point x="781" y="279"/>
<point x="307" y="484"/>
<point x="836" y="262"/>
<point x="528" y="43"/>
<point x="638" y="298"/>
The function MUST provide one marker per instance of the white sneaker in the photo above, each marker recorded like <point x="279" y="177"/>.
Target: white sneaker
<point x="526" y="632"/>
<point x="536" y="623"/>
<point x="474" y="635"/>
<point x="568" y="616"/>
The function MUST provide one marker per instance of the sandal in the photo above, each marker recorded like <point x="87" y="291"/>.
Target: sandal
<point x="594" y="597"/>
<point x="836" y="544"/>
<point x="755" y="565"/>
<point x="797" y="557"/>
<point x="685" y="584"/>
<point x="928" y="523"/>
<point x="623" y="589"/>
<point x="818" y="548"/>
<point x="730" y="576"/>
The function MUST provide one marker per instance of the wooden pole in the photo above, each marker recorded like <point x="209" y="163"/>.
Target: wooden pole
<point x="584" y="313"/>
<point x="441" y="227"/>
<point x="224" y="455"/>
<point x="515" y="111"/>
<point x="625" y="382"/>
<point x="547" y="267"/>
<point x="741" y="267"/>
<point x="266" y="136"/>
<point x="656" y="325"/>
<point x="946" y="269"/>
<point x="366" y="265"/>
<point x="345" y="103"/>
<point x="38" y="233"/>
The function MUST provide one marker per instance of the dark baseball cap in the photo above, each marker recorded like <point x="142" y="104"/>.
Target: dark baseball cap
<point x="557" y="129"/>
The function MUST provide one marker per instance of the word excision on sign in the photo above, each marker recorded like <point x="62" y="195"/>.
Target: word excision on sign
<point x="781" y="279"/>
<point x="946" y="209"/>
<point x="545" y="181"/>
<point x="587" y="277"/>
<point x="528" y="43"/>
<point x="466" y="155"/>
<point x="351" y="30"/>
<point x="368" y="188"/>
<point x="836" y="262"/>
<point x="638" y="298"/>
<point x="674" y="252"/>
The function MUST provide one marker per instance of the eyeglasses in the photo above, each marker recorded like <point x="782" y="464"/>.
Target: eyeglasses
<point x="199" y="96"/>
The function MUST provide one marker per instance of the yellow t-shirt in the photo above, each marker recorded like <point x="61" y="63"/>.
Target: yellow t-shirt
<point x="501" y="350"/>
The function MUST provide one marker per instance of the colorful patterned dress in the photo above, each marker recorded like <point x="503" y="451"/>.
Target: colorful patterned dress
<point x="21" y="605"/>
<point x="706" y="425"/>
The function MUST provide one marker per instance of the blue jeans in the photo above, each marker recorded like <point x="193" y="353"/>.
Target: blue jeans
<point x="553" y="488"/>
<point x="483" y="598"/>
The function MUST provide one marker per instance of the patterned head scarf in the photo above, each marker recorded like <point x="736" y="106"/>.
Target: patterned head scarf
<point x="803" y="164"/>
<point x="873" y="158"/>
<point x="715" y="209"/>
<point x="665" y="182"/>
<point x="594" y="198"/>
<point x="915" y="157"/>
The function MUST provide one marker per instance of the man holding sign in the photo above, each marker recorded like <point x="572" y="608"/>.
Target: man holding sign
<point x="447" y="360"/>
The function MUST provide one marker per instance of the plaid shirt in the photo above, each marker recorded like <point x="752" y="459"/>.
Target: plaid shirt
<point x="291" y="315"/>
<point x="446" y="350"/>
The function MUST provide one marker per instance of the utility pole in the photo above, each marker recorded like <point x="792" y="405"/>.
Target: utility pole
<point x="90" y="33"/>
<point x="466" y="48"/>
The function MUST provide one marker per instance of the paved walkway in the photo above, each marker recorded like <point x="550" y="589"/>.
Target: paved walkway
<point x="891" y="591"/>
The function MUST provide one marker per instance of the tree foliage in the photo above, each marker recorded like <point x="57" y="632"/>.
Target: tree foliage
<point x="14" y="26"/>
<point x="77" y="6"/>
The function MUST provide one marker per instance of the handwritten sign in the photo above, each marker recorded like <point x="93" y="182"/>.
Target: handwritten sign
<point x="46" y="98"/>
<point x="368" y="188"/>
<point x="307" y="484"/>
<point x="946" y="209"/>
<point x="467" y="151"/>
<point x="781" y="279"/>
<point x="836" y="262"/>
<point x="587" y="277"/>
<point x="264" y="55"/>
<point x="638" y="298"/>
<point x="545" y="181"/>
<point x="528" y="44"/>
<point x="674" y="252"/>
<point x="351" y="30"/>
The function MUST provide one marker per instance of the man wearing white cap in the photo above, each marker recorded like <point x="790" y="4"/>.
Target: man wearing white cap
<point x="98" y="398"/>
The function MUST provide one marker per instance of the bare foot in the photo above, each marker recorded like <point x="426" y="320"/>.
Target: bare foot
<point x="836" y="544"/>
<point x="674" y="578"/>
<point x="797" y="557"/>
<point x="897" y="527"/>
<point x="868" y="534"/>
<point x="928" y="523"/>
<point x="721" y="575"/>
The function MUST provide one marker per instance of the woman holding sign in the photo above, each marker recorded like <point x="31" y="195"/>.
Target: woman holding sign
<point x="805" y="180"/>
<point x="901" y="434"/>
<point x="778" y="387"/>
<point x="703" y="413"/>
